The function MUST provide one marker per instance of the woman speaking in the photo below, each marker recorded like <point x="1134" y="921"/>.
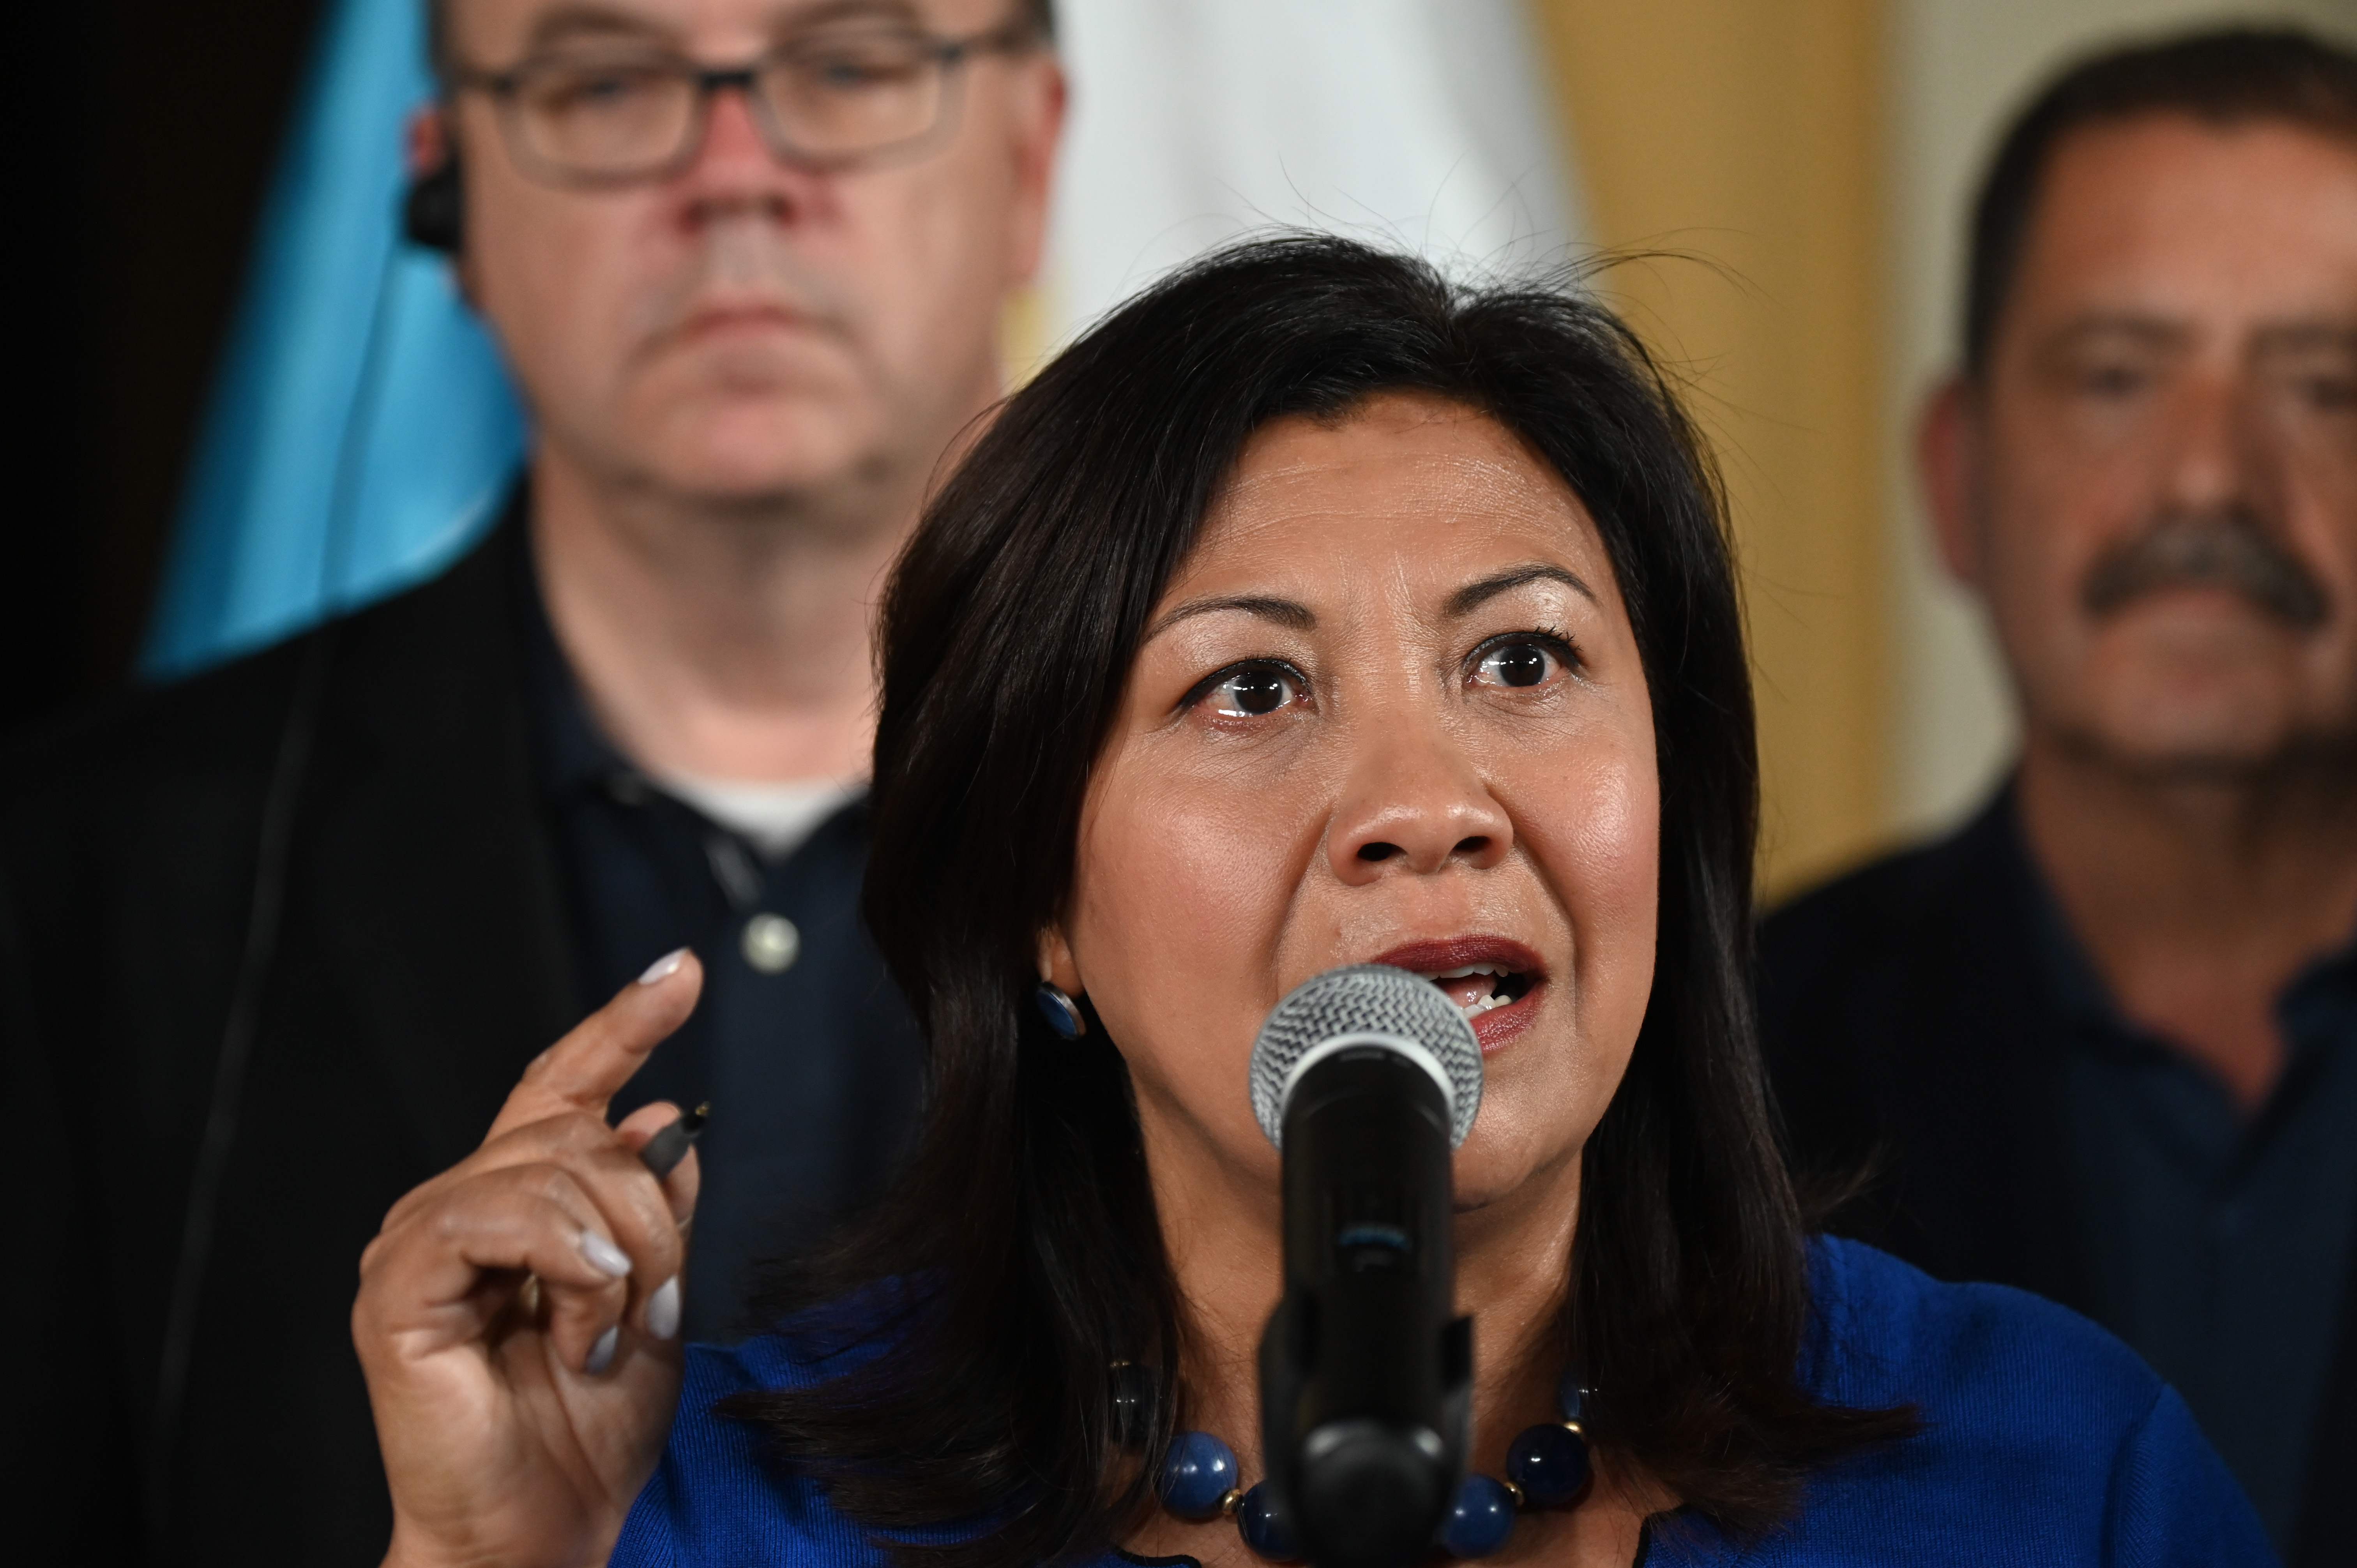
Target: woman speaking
<point x="1310" y="612"/>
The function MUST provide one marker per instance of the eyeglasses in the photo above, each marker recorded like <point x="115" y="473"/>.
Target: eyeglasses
<point x="587" y="117"/>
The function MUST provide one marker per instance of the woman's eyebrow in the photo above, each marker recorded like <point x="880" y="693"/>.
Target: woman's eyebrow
<point x="1473" y="596"/>
<point x="1284" y="612"/>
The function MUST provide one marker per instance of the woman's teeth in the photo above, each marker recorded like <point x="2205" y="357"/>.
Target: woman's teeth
<point x="1475" y="1000"/>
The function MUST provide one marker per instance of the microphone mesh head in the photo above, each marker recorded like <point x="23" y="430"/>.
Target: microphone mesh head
<point x="1366" y="999"/>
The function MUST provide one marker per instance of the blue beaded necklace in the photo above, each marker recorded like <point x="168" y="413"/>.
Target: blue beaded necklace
<point x="1546" y="1467"/>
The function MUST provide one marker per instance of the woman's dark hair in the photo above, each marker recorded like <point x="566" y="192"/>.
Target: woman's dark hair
<point x="1022" y="1243"/>
<point x="2221" y="77"/>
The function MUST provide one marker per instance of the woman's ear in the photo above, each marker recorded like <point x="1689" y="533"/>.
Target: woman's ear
<point x="1057" y="966"/>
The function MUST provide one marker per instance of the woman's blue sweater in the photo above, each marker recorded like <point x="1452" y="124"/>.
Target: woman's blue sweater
<point x="2045" y="1440"/>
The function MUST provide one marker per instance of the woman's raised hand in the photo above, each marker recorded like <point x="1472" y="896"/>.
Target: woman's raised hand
<point x="518" y="1316"/>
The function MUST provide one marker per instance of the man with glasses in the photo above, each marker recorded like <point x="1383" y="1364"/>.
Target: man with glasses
<point x="277" y="941"/>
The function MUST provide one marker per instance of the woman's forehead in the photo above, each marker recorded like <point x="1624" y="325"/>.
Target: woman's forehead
<point x="1402" y="475"/>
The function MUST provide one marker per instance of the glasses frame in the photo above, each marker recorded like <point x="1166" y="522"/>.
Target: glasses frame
<point x="947" y="55"/>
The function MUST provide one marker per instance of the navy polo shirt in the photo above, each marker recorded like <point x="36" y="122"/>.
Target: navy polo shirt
<point x="2218" y="1240"/>
<point x="801" y="1043"/>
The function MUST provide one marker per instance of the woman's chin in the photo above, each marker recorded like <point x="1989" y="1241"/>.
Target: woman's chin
<point x="1510" y="1169"/>
<point x="1494" y="1196"/>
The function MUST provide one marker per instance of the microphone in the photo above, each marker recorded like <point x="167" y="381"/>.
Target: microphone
<point x="1365" y="1078"/>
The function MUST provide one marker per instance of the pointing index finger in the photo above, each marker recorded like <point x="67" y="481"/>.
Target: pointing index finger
<point x="583" y="1070"/>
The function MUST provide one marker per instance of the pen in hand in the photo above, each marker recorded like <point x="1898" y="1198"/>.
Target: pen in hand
<point x="668" y="1147"/>
<point x="660" y="1154"/>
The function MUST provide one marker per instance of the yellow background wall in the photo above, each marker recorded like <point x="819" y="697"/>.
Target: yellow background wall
<point x="1749" y="133"/>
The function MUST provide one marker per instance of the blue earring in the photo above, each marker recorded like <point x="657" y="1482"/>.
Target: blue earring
<point x="1064" y="1013"/>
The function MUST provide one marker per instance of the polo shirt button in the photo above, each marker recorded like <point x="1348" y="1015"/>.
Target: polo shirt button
<point x="771" y="943"/>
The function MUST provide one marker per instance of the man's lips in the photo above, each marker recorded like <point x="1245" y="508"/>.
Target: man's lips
<point x="716" y="321"/>
<point x="1493" y="980"/>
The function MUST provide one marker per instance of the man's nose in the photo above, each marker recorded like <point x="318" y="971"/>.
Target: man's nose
<point x="1416" y="804"/>
<point x="2215" y="450"/>
<point x="734" y="166"/>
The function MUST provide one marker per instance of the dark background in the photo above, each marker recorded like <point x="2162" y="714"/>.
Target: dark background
<point x="146" y="133"/>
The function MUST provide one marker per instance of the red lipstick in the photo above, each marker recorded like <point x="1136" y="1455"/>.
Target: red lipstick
<point x="1495" y="980"/>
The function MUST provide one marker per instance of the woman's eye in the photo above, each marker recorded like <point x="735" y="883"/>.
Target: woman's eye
<point x="1523" y="662"/>
<point x="1252" y="690"/>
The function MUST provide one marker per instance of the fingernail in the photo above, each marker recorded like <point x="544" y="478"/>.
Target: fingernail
<point x="601" y="1354"/>
<point x="663" y="1309"/>
<point x="664" y="967"/>
<point x="604" y="1256"/>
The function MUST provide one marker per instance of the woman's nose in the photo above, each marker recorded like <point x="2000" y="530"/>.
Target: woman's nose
<point x="1416" y="804"/>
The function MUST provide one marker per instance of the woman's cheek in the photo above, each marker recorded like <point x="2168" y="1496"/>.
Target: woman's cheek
<point x="1181" y="891"/>
<point x="1626" y="921"/>
<point x="1599" y="845"/>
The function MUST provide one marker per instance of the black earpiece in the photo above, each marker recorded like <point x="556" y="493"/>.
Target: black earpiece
<point x="434" y="208"/>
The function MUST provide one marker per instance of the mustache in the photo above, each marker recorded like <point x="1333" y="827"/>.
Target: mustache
<point x="743" y="261"/>
<point x="2223" y="547"/>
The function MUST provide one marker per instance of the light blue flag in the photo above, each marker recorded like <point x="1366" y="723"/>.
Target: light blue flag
<point x="362" y="431"/>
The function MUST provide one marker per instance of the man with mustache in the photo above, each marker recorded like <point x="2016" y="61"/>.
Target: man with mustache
<point x="2103" y="1042"/>
<point x="274" y="943"/>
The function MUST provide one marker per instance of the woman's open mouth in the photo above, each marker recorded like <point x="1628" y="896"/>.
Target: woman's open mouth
<point x="1490" y="979"/>
<point x="1478" y="987"/>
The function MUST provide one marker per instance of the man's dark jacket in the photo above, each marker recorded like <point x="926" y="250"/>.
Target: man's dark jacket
<point x="422" y="955"/>
<point x="1907" y="1037"/>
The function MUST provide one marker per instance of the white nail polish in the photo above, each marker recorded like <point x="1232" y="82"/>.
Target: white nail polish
<point x="664" y="967"/>
<point x="604" y="1256"/>
<point x="601" y="1354"/>
<point x="663" y="1309"/>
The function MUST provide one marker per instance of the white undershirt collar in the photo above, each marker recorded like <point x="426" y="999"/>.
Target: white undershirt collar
<point x="775" y="818"/>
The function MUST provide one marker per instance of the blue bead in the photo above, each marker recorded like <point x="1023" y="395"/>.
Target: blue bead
<point x="1549" y="1462"/>
<point x="1480" y="1518"/>
<point x="1196" y="1473"/>
<point x="1570" y="1399"/>
<point x="1263" y="1529"/>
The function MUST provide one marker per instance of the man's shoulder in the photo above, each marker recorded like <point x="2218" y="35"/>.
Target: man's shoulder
<point x="1904" y="942"/>
<point x="153" y="736"/>
<point x="226" y="723"/>
<point x="1880" y="909"/>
